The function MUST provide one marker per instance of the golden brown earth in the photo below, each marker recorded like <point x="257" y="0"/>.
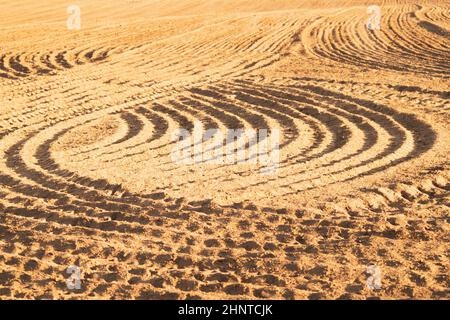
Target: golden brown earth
<point x="86" y="124"/>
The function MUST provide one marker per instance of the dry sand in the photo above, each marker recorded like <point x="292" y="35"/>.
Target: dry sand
<point x="86" y="123"/>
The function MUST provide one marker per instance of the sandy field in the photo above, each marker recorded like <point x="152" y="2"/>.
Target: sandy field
<point x="93" y="206"/>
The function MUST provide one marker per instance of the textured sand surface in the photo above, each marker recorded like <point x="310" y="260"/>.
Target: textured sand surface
<point x="87" y="179"/>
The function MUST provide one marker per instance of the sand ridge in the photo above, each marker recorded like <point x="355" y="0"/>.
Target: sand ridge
<point x="86" y="134"/>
